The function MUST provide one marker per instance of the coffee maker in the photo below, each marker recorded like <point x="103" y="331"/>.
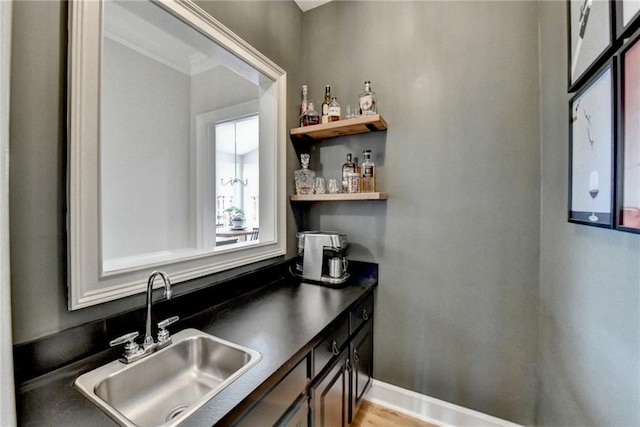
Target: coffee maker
<point x="322" y="257"/>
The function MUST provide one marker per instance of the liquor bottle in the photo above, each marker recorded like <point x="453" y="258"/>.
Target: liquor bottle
<point x="347" y="168"/>
<point x="334" y="110"/>
<point x="368" y="102"/>
<point x="310" y="117"/>
<point x="305" y="177"/>
<point x="325" y="104"/>
<point x="304" y="104"/>
<point x="368" y="173"/>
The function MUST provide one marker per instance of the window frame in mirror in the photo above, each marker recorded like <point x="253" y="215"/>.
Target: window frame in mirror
<point x="88" y="284"/>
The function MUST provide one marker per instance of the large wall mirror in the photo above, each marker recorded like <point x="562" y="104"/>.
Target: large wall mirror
<point x="176" y="148"/>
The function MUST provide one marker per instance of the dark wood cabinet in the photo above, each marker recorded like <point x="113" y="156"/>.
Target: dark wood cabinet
<point x="361" y="348"/>
<point x="327" y="387"/>
<point x="276" y="404"/>
<point x="330" y="395"/>
<point x="298" y="416"/>
<point x="339" y="387"/>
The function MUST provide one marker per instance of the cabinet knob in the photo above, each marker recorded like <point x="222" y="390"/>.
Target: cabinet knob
<point x="365" y="315"/>
<point x="347" y="364"/>
<point x="334" y="348"/>
<point x="355" y="355"/>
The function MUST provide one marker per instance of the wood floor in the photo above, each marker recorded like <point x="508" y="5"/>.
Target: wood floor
<point x="371" y="415"/>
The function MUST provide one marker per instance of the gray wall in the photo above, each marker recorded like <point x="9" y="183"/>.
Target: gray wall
<point x="589" y="359"/>
<point x="457" y="241"/>
<point x="38" y="154"/>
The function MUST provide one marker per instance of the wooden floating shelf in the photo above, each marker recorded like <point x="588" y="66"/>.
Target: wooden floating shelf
<point x="338" y="197"/>
<point x="362" y="124"/>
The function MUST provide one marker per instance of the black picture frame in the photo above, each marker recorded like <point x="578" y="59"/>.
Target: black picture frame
<point x="591" y="38"/>
<point x="627" y="17"/>
<point x="592" y="149"/>
<point x="628" y="160"/>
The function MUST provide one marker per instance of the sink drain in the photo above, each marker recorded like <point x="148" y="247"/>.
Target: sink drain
<point x="175" y="412"/>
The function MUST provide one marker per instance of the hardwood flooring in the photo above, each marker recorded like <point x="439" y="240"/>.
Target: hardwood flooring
<point x="371" y="415"/>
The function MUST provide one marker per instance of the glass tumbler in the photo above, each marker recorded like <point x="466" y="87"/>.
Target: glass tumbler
<point x="333" y="186"/>
<point x="319" y="186"/>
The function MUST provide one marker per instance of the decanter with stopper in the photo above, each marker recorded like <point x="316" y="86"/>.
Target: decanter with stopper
<point x="305" y="177"/>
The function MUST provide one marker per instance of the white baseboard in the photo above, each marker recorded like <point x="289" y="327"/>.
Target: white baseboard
<point x="429" y="409"/>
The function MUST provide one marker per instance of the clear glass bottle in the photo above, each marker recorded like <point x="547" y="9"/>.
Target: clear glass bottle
<point x="325" y="104"/>
<point x="310" y="117"/>
<point x="347" y="168"/>
<point x="368" y="102"/>
<point x="353" y="182"/>
<point x="305" y="177"/>
<point x="334" y="110"/>
<point x="368" y="173"/>
<point x="304" y="104"/>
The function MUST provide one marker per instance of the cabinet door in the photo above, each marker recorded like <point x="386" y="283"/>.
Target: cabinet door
<point x="299" y="416"/>
<point x="362" y="363"/>
<point x="278" y="401"/>
<point x="330" y="396"/>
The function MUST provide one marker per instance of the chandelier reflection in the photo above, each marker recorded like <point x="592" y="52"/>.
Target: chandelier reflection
<point x="235" y="179"/>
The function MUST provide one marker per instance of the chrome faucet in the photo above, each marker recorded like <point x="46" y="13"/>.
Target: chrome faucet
<point x="133" y="351"/>
<point x="168" y="293"/>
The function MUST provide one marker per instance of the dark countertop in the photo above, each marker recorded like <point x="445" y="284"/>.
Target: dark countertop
<point x="282" y="321"/>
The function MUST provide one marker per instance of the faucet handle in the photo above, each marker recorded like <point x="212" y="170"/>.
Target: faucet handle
<point x="163" y="335"/>
<point x="130" y="348"/>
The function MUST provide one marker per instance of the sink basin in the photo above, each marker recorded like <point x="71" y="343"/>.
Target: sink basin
<point x="163" y="388"/>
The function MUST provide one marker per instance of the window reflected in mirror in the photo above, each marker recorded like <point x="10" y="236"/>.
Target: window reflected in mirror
<point x="237" y="179"/>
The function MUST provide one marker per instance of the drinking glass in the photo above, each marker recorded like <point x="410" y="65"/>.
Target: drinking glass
<point x="319" y="186"/>
<point x="333" y="186"/>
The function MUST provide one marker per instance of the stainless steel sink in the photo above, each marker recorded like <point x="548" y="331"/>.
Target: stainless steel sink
<point x="165" y="387"/>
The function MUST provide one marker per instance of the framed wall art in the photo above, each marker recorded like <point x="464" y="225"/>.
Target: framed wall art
<point x="591" y="149"/>
<point x="628" y="205"/>
<point x="591" y="38"/>
<point x="627" y="17"/>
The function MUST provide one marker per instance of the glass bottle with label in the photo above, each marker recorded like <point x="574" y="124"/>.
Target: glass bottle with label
<point x="357" y="163"/>
<point x="304" y="104"/>
<point x="368" y="173"/>
<point x="334" y="110"/>
<point x="325" y="104"/>
<point x="353" y="182"/>
<point x="305" y="177"/>
<point x="347" y="168"/>
<point x="368" y="102"/>
<point x="310" y="117"/>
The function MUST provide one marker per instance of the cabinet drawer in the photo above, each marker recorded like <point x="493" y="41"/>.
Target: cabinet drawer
<point x="330" y="346"/>
<point x="360" y="314"/>
<point x="280" y="398"/>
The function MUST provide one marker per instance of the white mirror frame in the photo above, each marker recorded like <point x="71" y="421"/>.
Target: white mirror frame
<point x="88" y="284"/>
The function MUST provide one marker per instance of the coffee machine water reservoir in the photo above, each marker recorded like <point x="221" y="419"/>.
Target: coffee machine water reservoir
<point x="322" y="257"/>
